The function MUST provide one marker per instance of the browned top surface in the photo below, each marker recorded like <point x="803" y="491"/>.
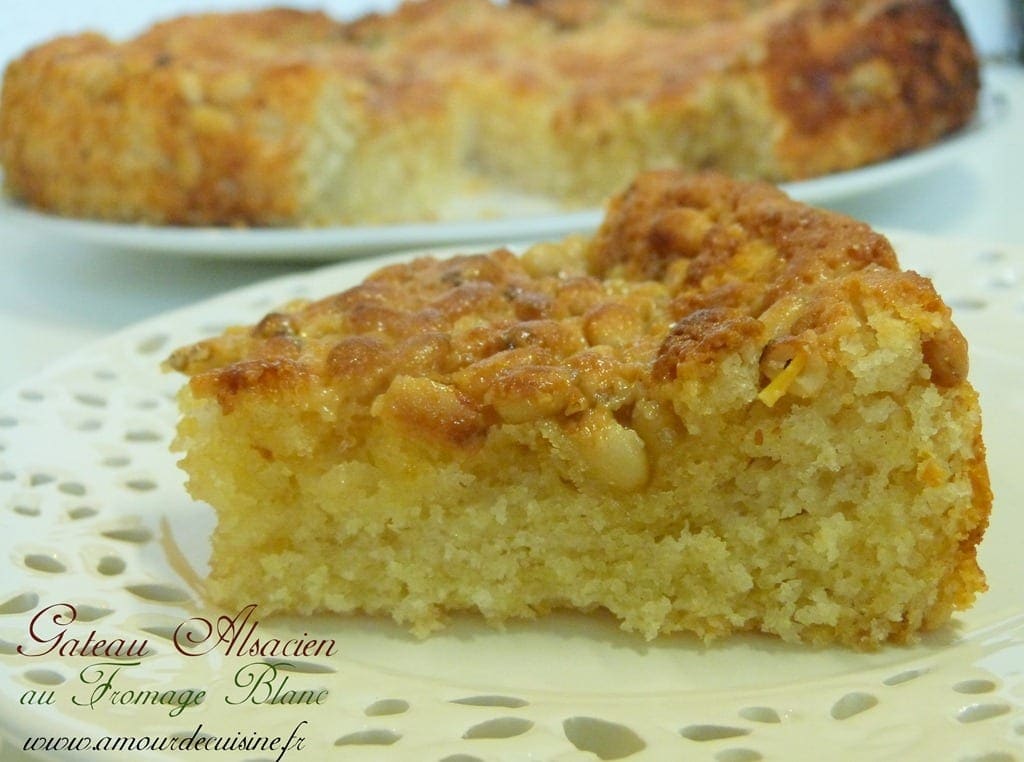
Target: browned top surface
<point x="685" y="272"/>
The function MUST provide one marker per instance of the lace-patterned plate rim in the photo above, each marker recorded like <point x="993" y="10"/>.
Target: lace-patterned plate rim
<point x="94" y="514"/>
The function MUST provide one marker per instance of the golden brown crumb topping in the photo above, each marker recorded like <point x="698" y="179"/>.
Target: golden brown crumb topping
<point x="685" y="272"/>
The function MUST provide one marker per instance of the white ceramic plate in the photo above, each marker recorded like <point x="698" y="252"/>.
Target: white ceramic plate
<point x="93" y="514"/>
<point x="524" y="218"/>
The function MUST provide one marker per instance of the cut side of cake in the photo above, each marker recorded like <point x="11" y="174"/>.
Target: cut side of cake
<point x="286" y="117"/>
<point x="725" y="411"/>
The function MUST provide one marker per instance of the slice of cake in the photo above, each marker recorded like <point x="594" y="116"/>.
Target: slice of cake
<point x="725" y="411"/>
<point x="285" y="117"/>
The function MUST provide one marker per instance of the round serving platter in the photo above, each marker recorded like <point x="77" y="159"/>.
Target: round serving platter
<point x="97" y="527"/>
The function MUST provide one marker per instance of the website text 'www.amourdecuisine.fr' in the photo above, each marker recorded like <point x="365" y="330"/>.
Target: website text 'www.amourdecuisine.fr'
<point x="199" y="740"/>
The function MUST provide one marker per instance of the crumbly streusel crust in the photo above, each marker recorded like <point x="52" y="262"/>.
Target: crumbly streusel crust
<point x="283" y="117"/>
<point x="725" y="411"/>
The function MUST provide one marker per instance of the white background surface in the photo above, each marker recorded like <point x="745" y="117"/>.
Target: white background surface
<point x="57" y="296"/>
